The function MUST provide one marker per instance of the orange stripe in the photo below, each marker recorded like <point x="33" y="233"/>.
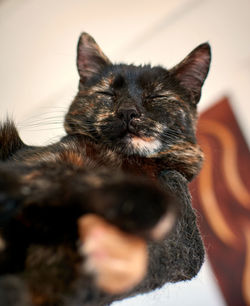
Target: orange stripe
<point x="209" y="202"/>
<point x="229" y="161"/>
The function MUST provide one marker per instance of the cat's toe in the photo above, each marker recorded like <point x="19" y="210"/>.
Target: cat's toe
<point x="135" y="205"/>
<point x="117" y="260"/>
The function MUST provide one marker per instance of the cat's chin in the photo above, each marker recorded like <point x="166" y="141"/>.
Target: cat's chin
<point x="143" y="146"/>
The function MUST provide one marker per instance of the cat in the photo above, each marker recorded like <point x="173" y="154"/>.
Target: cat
<point x="130" y="138"/>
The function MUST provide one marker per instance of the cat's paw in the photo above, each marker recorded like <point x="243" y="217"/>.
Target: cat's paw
<point x="117" y="260"/>
<point x="135" y="205"/>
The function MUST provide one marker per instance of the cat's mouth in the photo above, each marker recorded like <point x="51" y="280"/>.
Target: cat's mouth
<point x="130" y="139"/>
<point x="127" y="134"/>
<point x="128" y="130"/>
<point x="131" y="135"/>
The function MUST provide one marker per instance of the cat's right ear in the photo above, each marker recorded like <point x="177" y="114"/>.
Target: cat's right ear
<point x="90" y="58"/>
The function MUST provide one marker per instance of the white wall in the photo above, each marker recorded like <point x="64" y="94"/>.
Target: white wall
<point x="38" y="75"/>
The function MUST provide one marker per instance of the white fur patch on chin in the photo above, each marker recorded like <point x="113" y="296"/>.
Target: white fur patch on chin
<point x="144" y="147"/>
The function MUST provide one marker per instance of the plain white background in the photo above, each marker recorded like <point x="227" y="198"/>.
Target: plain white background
<point x="38" y="76"/>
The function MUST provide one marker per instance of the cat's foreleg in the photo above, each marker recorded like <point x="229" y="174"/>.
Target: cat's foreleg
<point x="180" y="255"/>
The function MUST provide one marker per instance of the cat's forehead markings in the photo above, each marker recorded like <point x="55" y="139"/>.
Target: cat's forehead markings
<point x="103" y="84"/>
<point x="134" y="90"/>
<point x="102" y="116"/>
<point x="158" y="87"/>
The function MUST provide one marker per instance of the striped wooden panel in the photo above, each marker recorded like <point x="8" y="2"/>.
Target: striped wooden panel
<point x="221" y="196"/>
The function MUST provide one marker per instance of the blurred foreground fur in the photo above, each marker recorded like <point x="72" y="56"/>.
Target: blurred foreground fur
<point x="122" y="168"/>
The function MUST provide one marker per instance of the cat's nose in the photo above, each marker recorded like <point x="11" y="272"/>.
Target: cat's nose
<point x="128" y="113"/>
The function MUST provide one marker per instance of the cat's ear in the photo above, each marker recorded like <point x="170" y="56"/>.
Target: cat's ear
<point x="192" y="71"/>
<point x="90" y="58"/>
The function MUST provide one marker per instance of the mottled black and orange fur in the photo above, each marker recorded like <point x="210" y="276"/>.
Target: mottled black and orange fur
<point x="130" y="137"/>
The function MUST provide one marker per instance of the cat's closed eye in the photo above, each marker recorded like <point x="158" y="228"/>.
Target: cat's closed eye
<point x="106" y="93"/>
<point x="154" y="98"/>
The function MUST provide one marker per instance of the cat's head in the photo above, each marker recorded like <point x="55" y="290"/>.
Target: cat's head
<point x="140" y="110"/>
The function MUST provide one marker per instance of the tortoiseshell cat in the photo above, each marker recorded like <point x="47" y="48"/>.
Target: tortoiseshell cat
<point x="129" y="153"/>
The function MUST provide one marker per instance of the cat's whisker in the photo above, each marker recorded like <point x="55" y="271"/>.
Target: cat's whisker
<point x="48" y="125"/>
<point x="44" y="129"/>
<point x="41" y="121"/>
<point x="39" y="115"/>
<point x="47" y="120"/>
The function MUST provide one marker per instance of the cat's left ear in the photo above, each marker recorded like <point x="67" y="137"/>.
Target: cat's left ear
<point x="90" y="58"/>
<point x="192" y="71"/>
